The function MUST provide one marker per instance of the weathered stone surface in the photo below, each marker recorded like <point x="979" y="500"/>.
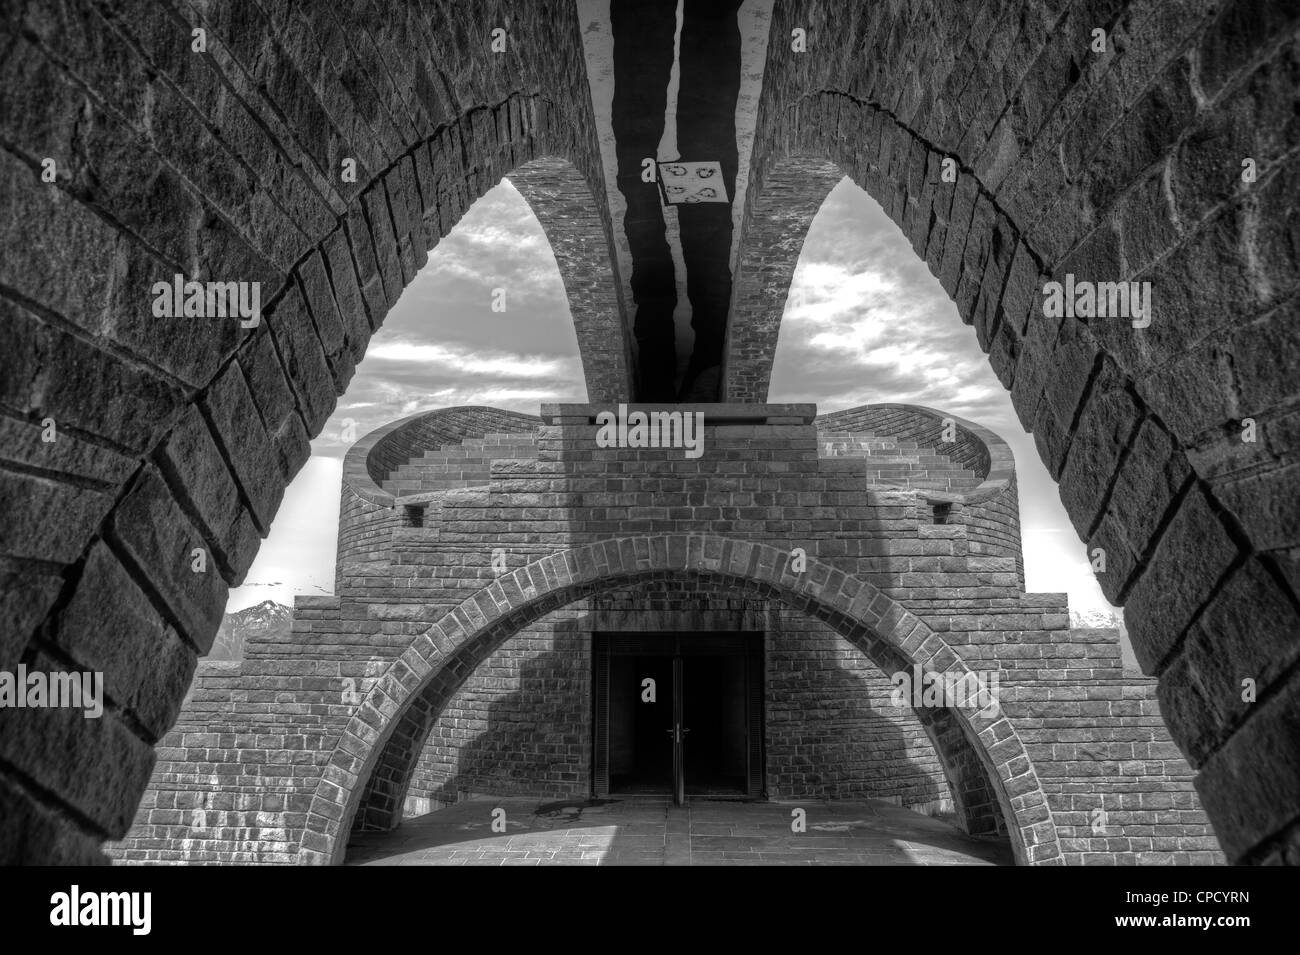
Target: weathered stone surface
<point x="1241" y="785"/>
<point x="1236" y="653"/>
<point x="97" y="765"/>
<point x="228" y="166"/>
<point x="48" y="372"/>
<point x="25" y="598"/>
<point x="468" y="641"/>
<point x="110" y="626"/>
<point x="347" y="293"/>
<point x="304" y="360"/>
<point x="26" y="503"/>
<point x="320" y="304"/>
<point x="36" y="835"/>
<point x="1100" y="437"/>
<point x="244" y="443"/>
<point x="161" y="542"/>
<point x="200" y="477"/>
<point x="1189" y="560"/>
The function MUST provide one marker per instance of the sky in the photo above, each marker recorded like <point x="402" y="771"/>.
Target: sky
<point x="865" y="322"/>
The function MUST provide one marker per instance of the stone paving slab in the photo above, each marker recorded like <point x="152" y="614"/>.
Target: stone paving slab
<point x="651" y="831"/>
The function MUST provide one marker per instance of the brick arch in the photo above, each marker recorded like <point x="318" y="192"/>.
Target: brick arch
<point x="1117" y="167"/>
<point x="785" y="194"/>
<point x="437" y="663"/>
<point x="181" y="436"/>
<point x="381" y="804"/>
<point x="224" y="165"/>
<point x="561" y="198"/>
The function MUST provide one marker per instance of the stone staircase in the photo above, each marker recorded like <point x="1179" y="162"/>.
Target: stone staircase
<point x="897" y="463"/>
<point x="466" y="464"/>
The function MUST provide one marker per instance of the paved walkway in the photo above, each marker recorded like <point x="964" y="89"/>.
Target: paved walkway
<point x="650" y="831"/>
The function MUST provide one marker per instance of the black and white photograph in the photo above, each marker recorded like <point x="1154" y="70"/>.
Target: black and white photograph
<point x="597" y="434"/>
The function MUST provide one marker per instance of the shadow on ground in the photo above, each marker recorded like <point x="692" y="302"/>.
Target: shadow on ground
<point x="650" y="831"/>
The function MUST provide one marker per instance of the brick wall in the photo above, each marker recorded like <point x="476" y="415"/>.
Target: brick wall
<point x="832" y="732"/>
<point x="521" y="724"/>
<point x="497" y="701"/>
<point x="1125" y="165"/>
<point x="173" y="435"/>
<point x="226" y="165"/>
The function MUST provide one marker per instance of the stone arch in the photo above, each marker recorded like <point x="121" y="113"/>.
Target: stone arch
<point x="383" y="800"/>
<point x="1122" y="166"/>
<point x="784" y="197"/>
<point x="438" y="661"/>
<point x="561" y="198"/>
<point x="176" y="441"/>
<point x="225" y="165"/>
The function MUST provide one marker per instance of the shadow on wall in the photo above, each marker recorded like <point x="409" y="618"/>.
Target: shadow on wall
<point x="533" y="741"/>
<point x="833" y="733"/>
<point x="831" y="730"/>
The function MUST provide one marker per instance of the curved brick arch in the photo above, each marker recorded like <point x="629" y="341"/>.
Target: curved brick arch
<point x="177" y="438"/>
<point x="784" y="197"/>
<point x="380" y="805"/>
<point x="225" y="165"/>
<point x="562" y="200"/>
<point x="443" y="657"/>
<point x="1123" y="166"/>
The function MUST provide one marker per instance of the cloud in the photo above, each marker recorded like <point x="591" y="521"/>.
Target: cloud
<point x="865" y="322"/>
<point x="498" y="244"/>
<point x="433" y="357"/>
<point x="440" y="345"/>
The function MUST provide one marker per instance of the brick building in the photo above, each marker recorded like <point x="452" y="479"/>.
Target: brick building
<point x="321" y="150"/>
<point x="771" y="587"/>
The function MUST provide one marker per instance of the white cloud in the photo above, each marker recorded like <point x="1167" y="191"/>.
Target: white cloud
<point x="865" y="322"/>
<point x="505" y="364"/>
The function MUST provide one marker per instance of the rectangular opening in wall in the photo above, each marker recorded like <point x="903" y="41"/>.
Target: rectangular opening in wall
<point x="679" y="714"/>
<point x="414" y="516"/>
<point x="940" y="512"/>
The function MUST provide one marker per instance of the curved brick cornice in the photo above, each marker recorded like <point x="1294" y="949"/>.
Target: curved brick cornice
<point x="371" y="460"/>
<point x="974" y="447"/>
<point x="441" y="659"/>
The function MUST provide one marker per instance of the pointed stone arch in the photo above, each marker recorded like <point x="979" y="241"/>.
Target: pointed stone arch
<point x="225" y="165"/>
<point x="572" y="219"/>
<point x="1122" y="166"/>
<point x="254" y="162"/>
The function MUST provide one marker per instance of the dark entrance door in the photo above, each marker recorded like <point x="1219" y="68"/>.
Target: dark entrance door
<point x="679" y="714"/>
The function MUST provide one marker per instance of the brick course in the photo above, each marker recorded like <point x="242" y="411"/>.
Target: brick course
<point x="225" y="165"/>
<point x="434" y="675"/>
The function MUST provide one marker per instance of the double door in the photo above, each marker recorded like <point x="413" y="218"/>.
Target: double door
<point x="679" y="715"/>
